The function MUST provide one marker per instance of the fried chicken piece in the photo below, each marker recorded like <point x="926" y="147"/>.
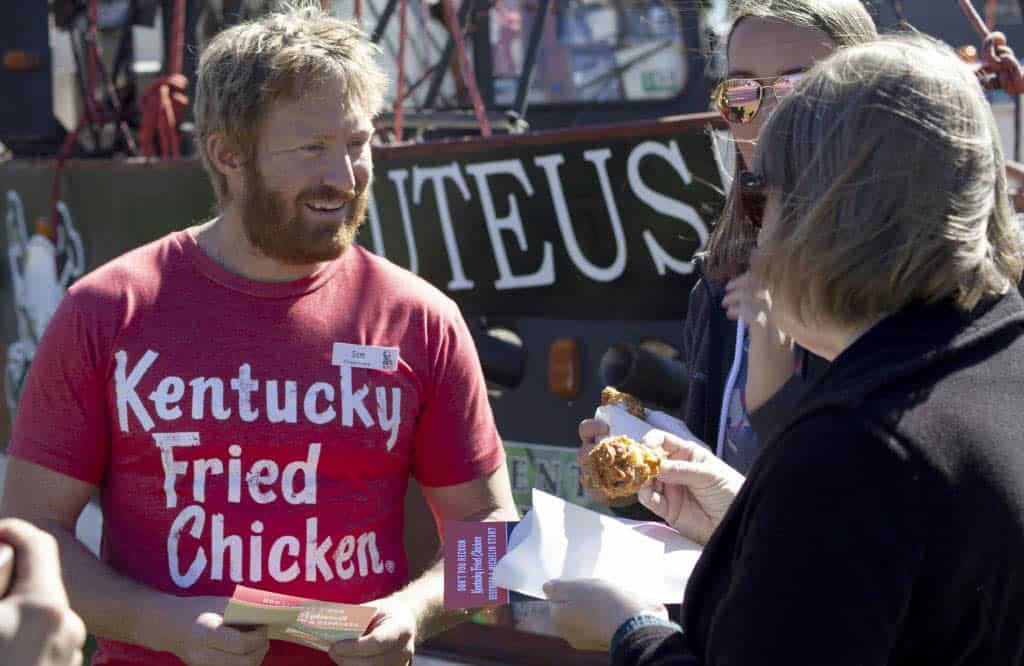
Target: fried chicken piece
<point x="611" y="396"/>
<point x="620" y="466"/>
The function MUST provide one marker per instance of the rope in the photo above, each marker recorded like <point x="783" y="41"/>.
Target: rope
<point x="403" y="15"/>
<point x="165" y="99"/>
<point x="460" y="47"/>
<point x="999" y="66"/>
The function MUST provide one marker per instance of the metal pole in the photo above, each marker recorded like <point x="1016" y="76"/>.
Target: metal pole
<point x="526" y="76"/>
<point x="446" y="58"/>
<point x="382" y="22"/>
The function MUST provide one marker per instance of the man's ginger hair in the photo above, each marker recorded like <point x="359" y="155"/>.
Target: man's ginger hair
<point x="244" y="69"/>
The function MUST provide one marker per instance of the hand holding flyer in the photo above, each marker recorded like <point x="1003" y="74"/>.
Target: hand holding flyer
<point x="559" y="540"/>
<point x="315" y="624"/>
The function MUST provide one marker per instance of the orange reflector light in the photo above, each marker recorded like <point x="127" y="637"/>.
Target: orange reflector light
<point x="564" y="368"/>
<point x="17" y="60"/>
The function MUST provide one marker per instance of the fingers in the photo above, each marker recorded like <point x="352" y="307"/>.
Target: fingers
<point x="745" y="281"/>
<point x="652" y="497"/>
<point x="566" y="590"/>
<point x="364" y="646"/>
<point x="746" y="299"/>
<point x="45" y="632"/>
<point x="591" y="430"/>
<point x="345" y="652"/>
<point x="686" y="473"/>
<point x="36" y="559"/>
<point x="74" y="630"/>
<point x="560" y="590"/>
<point x="750" y="307"/>
<point x="235" y="641"/>
<point x="377" y="643"/>
<point x="733" y="302"/>
<point x="676" y="447"/>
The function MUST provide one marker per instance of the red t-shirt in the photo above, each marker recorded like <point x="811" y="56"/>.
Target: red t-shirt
<point x="236" y="441"/>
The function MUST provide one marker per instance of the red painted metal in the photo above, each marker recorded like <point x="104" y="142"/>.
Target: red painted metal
<point x="451" y="19"/>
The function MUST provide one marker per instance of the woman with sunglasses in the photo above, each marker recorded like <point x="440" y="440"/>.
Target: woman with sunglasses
<point x="884" y="523"/>
<point x="743" y="375"/>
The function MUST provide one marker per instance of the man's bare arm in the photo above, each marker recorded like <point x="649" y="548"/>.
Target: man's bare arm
<point x="487" y="498"/>
<point x="108" y="602"/>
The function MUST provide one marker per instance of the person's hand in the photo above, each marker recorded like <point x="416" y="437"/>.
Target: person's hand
<point x="694" y="488"/>
<point x="37" y="626"/>
<point x="591" y="432"/>
<point x="200" y="636"/>
<point x="745" y="300"/>
<point x="390" y="639"/>
<point x="771" y="362"/>
<point x="587" y="612"/>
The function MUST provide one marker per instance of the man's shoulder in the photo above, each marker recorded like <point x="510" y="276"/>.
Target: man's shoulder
<point x="394" y="280"/>
<point x="130" y="275"/>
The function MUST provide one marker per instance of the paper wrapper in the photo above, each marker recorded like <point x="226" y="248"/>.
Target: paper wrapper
<point x="562" y="540"/>
<point x="621" y="422"/>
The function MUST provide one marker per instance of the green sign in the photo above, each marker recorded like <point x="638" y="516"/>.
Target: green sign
<point x="552" y="469"/>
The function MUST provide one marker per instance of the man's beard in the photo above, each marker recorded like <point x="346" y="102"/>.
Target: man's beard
<point x="290" y="239"/>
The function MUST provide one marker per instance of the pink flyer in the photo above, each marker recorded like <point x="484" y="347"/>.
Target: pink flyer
<point x="471" y="551"/>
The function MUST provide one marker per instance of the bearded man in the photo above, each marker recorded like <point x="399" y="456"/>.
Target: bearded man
<point x="250" y="396"/>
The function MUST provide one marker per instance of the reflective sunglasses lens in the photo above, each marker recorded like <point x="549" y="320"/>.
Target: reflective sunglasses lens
<point x="739" y="100"/>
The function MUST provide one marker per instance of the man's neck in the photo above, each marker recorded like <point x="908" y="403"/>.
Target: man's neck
<point x="223" y="239"/>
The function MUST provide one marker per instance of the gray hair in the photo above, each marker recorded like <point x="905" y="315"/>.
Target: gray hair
<point x="244" y="69"/>
<point x="890" y="177"/>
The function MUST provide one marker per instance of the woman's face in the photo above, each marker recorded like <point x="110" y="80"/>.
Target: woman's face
<point x="766" y="48"/>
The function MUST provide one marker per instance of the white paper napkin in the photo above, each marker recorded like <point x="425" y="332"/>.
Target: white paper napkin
<point x="561" y="540"/>
<point x="621" y="422"/>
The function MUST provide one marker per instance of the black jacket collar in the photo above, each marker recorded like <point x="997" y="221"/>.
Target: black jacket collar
<point x="906" y="343"/>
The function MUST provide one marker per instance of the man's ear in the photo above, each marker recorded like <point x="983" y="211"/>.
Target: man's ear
<point x="224" y="157"/>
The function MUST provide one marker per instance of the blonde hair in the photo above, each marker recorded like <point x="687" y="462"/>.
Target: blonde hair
<point x="846" y="23"/>
<point x="280" y="55"/>
<point x="887" y="167"/>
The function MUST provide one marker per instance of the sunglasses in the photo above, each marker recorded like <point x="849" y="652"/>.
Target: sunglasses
<point x="739" y="100"/>
<point x="752" y="197"/>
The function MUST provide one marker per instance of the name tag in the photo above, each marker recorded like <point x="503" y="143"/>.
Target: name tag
<point x="384" y="359"/>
